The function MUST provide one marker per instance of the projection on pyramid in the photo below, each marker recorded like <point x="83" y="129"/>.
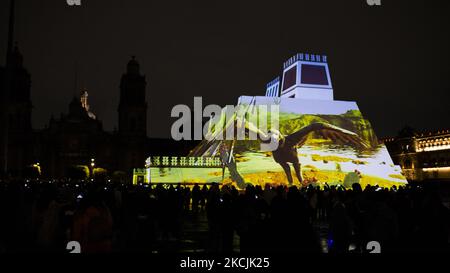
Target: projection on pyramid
<point x="319" y="140"/>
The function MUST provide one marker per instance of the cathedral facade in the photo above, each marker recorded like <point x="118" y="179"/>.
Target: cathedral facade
<point x="75" y="141"/>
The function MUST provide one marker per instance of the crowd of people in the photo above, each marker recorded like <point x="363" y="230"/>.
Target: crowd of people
<point x="43" y="216"/>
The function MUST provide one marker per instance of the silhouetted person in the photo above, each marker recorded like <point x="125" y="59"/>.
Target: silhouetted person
<point x="196" y="197"/>
<point x="93" y="225"/>
<point x="340" y="225"/>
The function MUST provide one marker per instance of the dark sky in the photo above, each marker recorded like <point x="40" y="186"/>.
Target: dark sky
<point x="393" y="60"/>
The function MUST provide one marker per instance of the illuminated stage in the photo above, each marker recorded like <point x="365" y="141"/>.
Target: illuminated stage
<point x="320" y="140"/>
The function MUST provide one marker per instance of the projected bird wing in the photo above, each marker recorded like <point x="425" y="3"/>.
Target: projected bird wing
<point x="336" y="134"/>
<point x="206" y="148"/>
<point x="235" y="129"/>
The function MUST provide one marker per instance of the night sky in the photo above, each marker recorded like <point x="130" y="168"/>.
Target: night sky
<point x="393" y="60"/>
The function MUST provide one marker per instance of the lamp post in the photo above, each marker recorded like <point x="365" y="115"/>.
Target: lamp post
<point x="91" y="168"/>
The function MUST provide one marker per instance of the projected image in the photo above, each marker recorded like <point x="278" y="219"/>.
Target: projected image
<point x="165" y="169"/>
<point x="319" y="142"/>
<point x="185" y="175"/>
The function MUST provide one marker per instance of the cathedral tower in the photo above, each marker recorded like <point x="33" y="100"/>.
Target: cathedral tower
<point x="132" y="105"/>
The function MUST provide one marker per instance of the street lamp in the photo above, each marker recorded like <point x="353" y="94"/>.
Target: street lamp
<point x="91" y="169"/>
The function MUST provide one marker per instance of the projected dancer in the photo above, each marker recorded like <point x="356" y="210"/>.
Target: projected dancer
<point x="287" y="145"/>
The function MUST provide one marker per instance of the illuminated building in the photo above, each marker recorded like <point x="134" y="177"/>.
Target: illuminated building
<point x="273" y="88"/>
<point x="318" y="139"/>
<point x="306" y="76"/>
<point x="422" y="156"/>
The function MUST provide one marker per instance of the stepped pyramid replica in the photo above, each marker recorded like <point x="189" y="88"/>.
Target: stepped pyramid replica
<point x="319" y="140"/>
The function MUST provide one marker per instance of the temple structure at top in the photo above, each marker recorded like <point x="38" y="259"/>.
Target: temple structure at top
<point x="305" y="76"/>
